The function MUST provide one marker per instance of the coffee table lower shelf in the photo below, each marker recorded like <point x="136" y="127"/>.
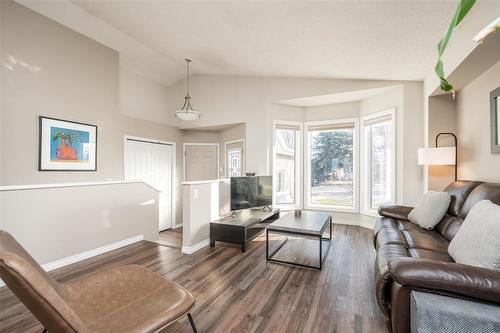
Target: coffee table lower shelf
<point x="320" y="238"/>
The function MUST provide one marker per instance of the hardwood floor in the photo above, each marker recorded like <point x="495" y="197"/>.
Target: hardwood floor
<point x="171" y="237"/>
<point x="241" y="292"/>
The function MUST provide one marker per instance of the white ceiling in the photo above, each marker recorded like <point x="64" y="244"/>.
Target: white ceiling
<point x="393" y="39"/>
<point x="344" y="97"/>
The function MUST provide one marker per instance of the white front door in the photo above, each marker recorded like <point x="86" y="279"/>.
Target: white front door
<point x="151" y="163"/>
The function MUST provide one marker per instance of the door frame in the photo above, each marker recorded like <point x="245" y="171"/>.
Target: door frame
<point x="243" y="155"/>
<point x="199" y="144"/>
<point x="174" y="172"/>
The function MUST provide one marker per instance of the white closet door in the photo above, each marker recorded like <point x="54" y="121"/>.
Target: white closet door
<point x="152" y="164"/>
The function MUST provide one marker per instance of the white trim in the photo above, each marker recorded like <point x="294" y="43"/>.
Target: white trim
<point x="199" y="144"/>
<point x="307" y="166"/>
<point x="88" y="254"/>
<point x="298" y="184"/>
<point x="174" y="172"/>
<point x="243" y="156"/>
<point x="195" y="247"/>
<point x="365" y="158"/>
<point x="197" y="182"/>
<point x="61" y="185"/>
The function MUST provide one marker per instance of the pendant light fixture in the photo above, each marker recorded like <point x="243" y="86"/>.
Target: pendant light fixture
<point x="187" y="112"/>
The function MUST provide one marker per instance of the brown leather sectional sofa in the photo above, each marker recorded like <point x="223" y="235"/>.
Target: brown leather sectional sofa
<point x="411" y="258"/>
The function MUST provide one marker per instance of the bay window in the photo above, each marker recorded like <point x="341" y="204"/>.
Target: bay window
<point x="349" y="165"/>
<point x="331" y="165"/>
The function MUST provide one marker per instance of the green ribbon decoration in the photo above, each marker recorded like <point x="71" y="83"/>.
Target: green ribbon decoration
<point x="464" y="6"/>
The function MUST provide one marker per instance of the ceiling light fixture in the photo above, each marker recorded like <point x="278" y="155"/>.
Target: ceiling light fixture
<point x="187" y="112"/>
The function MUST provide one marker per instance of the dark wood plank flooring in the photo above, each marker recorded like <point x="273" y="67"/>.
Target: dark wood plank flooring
<point x="171" y="237"/>
<point x="241" y="292"/>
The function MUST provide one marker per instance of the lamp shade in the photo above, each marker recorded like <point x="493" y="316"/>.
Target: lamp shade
<point x="437" y="156"/>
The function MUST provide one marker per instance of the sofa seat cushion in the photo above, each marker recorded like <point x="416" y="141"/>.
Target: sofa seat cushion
<point x="390" y="236"/>
<point x="426" y="240"/>
<point x="431" y="255"/>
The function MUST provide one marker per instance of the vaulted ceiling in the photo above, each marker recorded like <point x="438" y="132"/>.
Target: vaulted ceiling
<point x="327" y="39"/>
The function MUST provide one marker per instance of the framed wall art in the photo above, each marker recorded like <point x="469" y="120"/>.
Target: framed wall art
<point x="495" y="120"/>
<point x="66" y="145"/>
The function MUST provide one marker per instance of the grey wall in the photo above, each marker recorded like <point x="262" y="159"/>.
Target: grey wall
<point x="442" y="118"/>
<point x="473" y="109"/>
<point x="78" y="80"/>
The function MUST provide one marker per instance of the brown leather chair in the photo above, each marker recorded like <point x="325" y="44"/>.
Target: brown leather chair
<point x="411" y="258"/>
<point x="120" y="299"/>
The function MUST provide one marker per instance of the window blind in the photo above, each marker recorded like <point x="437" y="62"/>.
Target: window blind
<point x="288" y="127"/>
<point x="330" y="127"/>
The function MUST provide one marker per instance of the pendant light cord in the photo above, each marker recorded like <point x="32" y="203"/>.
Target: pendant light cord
<point x="187" y="77"/>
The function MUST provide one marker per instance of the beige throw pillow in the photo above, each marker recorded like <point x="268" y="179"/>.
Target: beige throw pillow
<point x="430" y="210"/>
<point x="477" y="242"/>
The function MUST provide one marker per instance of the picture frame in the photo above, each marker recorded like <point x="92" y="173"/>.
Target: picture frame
<point x="65" y="145"/>
<point x="495" y="120"/>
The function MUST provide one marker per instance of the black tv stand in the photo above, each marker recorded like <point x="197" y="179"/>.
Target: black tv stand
<point x="242" y="228"/>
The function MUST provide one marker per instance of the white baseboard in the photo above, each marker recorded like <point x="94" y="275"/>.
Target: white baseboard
<point x="88" y="254"/>
<point x="196" y="247"/>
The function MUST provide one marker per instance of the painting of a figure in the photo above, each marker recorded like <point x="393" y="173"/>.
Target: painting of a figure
<point x="67" y="145"/>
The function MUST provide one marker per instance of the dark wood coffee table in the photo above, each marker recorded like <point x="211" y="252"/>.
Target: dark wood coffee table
<point x="244" y="227"/>
<point x="310" y="225"/>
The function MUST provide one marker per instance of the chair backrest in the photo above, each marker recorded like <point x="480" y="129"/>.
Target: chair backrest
<point x="40" y="293"/>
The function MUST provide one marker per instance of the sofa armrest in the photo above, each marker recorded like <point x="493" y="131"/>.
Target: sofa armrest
<point x="447" y="277"/>
<point x="395" y="211"/>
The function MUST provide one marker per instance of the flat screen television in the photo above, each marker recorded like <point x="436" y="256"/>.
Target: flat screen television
<point x="250" y="192"/>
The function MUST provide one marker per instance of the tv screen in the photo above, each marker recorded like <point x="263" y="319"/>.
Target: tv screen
<point x="249" y="192"/>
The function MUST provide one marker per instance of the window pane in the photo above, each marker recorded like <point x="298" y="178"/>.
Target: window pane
<point x="332" y="167"/>
<point x="286" y="144"/>
<point x="234" y="162"/>
<point x="381" y="164"/>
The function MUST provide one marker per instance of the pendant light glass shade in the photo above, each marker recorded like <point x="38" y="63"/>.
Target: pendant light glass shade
<point x="187" y="112"/>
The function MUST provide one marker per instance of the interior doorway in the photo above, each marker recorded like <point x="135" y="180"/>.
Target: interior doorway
<point x="153" y="162"/>
<point x="201" y="161"/>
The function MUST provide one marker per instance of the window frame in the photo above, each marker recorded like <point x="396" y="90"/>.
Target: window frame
<point x="307" y="166"/>
<point x="365" y="163"/>
<point x="242" y="158"/>
<point x="298" y="204"/>
<point x="228" y="166"/>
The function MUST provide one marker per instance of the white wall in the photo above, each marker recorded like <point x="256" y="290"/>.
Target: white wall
<point x="475" y="160"/>
<point x="332" y="111"/>
<point x="56" y="223"/>
<point x="233" y="99"/>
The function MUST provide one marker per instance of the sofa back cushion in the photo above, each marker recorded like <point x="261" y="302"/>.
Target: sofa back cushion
<point x="448" y="226"/>
<point x="459" y="191"/>
<point x="451" y="222"/>
<point x="485" y="191"/>
<point x="478" y="240"/>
